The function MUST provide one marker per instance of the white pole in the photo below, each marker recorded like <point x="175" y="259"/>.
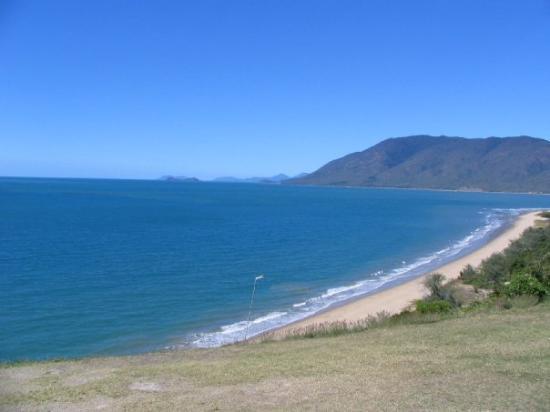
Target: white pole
<point x="250" y="306"/>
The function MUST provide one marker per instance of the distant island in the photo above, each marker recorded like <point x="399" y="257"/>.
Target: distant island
<point x="272" y="180"/>
<point x="170" y="178"/>
<point x="277" y="179"/>
<point x="509" y="164"/>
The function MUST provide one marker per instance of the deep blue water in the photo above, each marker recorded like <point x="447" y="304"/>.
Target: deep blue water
<point x="90" y="267"/>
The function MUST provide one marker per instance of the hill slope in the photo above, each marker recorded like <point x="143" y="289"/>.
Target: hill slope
<point x="515" y="164"/>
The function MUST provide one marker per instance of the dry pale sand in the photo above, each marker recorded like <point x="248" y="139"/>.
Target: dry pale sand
<point x="395" y="299"/>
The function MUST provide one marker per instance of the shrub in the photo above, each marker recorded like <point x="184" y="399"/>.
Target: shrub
<point x="524" y="284"/>
<point x="434" y="283"/>
<point x="468" y="273"/>
<point x="503" y="303"/>
<point x="529" y="254"/>
<point x="441" y="291"/>
<point x="493" y="270"/>
<point x="433" y="306"/>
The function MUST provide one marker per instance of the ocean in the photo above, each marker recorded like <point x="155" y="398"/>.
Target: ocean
<point x="104" y="267"/>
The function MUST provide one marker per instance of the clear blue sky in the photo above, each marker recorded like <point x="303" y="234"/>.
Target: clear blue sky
<point x="204" y="88"/>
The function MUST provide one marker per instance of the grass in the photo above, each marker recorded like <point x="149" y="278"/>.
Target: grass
<point x="485" y="359"/>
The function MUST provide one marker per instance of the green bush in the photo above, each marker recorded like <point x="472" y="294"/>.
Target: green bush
<point x="434" y="283"/>
<point x="524" y="284"/>
<point x="493" y="270"/>
<point x="468" y="273"/>
<point x="433" y="306"/>
<point x="529" y="254"/>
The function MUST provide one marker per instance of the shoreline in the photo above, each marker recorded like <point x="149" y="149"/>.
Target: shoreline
<point x="429" y="189"/>
<point x="397" y="298"/>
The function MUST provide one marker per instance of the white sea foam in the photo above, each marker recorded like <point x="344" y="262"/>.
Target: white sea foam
<point x="299" y="305"/>
<point x="495" y="219"/>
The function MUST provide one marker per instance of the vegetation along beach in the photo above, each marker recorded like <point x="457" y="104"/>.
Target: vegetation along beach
<point x="398" y="298"/>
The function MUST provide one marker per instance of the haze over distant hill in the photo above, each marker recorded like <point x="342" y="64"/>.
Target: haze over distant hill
<point x="514" y="164"/>
<point x="277" y="179"/>
<point x="170" y="178"/>
<point x="273" y="179"/>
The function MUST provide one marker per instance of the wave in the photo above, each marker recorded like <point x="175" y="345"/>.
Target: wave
<point x="495" y="220"/>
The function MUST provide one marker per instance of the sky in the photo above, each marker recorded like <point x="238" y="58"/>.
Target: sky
<point x="140" y="89"/>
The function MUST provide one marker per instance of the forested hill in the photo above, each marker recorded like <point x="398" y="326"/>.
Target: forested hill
<point x="514" y="164"/>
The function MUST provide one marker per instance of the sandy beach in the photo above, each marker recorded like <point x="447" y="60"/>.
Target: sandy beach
<point x="395" y="299"/>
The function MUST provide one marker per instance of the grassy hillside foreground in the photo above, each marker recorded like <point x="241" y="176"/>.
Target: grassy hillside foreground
<point x="494" y="359"/>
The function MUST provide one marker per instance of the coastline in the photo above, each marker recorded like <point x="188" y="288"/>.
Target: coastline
<point x="428" y="189"/>
<point x="395" y="299"/>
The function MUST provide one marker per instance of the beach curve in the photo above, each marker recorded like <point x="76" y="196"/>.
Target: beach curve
<point x="395" y="299"/>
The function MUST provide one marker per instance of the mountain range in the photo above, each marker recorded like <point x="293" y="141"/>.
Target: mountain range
<point x="510" y="164"/>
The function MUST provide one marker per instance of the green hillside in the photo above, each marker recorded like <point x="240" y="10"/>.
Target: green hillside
<point x="515" y="164"/>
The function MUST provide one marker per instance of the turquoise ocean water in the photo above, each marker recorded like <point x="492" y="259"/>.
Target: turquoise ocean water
<point x="95" y="267"/>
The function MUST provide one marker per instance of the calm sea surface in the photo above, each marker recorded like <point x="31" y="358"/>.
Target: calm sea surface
<point x="92" y="267"/>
